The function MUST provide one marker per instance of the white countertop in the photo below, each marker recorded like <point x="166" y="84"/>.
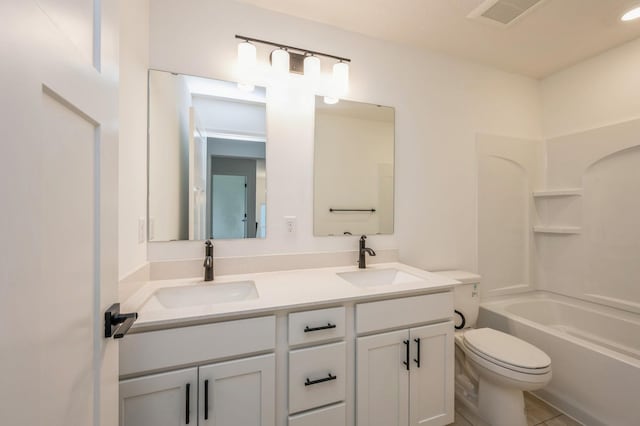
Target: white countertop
<point x="281" y="290"/>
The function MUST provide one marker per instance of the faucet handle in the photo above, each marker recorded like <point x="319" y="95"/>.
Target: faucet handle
<point x="208" y="249"/>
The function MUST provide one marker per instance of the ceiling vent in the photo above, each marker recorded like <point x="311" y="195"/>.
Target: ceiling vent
<point x="503" y="12"/>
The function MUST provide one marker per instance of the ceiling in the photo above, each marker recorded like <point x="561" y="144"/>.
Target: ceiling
<point x="550" y="37"/>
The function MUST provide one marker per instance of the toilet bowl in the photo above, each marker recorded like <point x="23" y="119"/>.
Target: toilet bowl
<point x="502" y="367"/>
<point x="492" y="368"/>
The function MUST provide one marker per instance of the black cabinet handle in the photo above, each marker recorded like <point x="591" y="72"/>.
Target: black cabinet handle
<point x="406" y="363"/>
<point x="417" y="361"/>
<point x="206" y="399"/>
<point x="307" y="329"/>
<point x="186" y="417"/>
<point x="329" y="377"/>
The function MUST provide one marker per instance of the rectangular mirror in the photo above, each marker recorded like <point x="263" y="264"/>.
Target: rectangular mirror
<point x="353" y="168"/>
<point x="207" y="163"/>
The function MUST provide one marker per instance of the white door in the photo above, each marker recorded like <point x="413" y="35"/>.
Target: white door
<point x="167" y="399"/>
<point x="229" y="207"/>
<point x="240" y="392"/>
<point x="58" y="221"/>
<point x="431" y="381"/>
<point x="382" y="380"/>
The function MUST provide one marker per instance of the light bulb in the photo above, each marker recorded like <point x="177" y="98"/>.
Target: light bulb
<point x="246" y="54"/>
<point x="631" y="15"/>
<point x="312" y="71"/>
<point x="246" y="65"/>
<point x="340" y="79"/>
<point x="280" y="61"/>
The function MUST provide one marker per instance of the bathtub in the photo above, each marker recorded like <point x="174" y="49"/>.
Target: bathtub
<point x="594" y="350"/>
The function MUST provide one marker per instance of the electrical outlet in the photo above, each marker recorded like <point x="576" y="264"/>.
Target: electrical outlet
<point x="290" y="224"/>
<point x="141" y="229"/>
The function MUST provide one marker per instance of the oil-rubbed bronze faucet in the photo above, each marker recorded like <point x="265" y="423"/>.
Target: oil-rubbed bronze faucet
<point x="208" y="260"/>
<point x="362" y="264"/>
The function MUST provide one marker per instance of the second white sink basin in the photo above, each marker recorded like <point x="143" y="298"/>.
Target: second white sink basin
<point x="379" y="277"/>
<point x="206" y="294"/>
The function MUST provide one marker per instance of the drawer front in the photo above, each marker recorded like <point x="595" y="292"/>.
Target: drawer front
<point x="317" y="376"/>
<point x="336" y="415"/>
<point x="316" y="326"/>
<point x="394" y="313"/>
<point x="154" y="350"/>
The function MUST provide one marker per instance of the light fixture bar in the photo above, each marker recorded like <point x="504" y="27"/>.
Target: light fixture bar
<point x="284" y="46"/>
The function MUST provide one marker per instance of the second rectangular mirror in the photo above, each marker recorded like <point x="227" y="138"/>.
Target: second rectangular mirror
<point x="353" y="168"/>
<point x="207" y="169"/>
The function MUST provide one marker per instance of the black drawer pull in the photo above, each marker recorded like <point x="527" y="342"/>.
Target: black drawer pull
<point x="186" y="417"/>
<point x="206" y="399"/>
<point x="329" y="377"/>
<point x="406" y="363"/>
<point x="417" y="361"/>
<point x="307" y="329"/>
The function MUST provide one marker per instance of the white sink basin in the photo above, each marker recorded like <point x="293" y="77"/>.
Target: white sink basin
<point x="378" y="277"/>
<point x="205" y="294"/>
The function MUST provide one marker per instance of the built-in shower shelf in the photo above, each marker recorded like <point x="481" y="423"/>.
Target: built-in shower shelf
<point x="566" y="192"/>
<point x="557" y="229"/>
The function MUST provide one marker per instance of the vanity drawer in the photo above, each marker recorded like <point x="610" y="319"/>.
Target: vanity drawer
<point x="395" y="313"/>
<point x="316" y="326"/>
<point x="317" y="376"/>
<point x="155" y="350"/>
<point x="336" y="415"/>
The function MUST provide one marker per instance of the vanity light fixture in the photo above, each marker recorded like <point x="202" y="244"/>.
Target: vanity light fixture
<point x="631" y="14"/>
<point x="286" y="59"/>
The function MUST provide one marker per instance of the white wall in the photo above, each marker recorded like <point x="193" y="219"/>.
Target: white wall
<point x="590" y="121"/>
<point x="441" y="103"/>
<point x="351" y="155"/>
<point x="134" y="57"/>
<point x="230" y="117"/>
<point x="601" y="262"/>
<point x="509" y="170"/>
<point x="169" y="104"/>
<point x="601" y="91"/>
<point x="592" y="144"/>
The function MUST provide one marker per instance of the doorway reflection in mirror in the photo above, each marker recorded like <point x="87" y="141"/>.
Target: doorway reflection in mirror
<point x="207" y="159"/>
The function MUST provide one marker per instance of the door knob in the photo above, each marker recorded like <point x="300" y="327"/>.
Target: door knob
<point x="116" y="324"/>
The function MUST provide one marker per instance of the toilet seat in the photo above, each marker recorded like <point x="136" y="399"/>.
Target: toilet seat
<point x="506" y="351"/>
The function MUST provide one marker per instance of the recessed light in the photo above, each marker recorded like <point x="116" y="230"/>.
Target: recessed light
<point x="632" y="14"/>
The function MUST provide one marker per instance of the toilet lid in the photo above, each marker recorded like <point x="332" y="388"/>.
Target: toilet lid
<point x="506" y="349"/>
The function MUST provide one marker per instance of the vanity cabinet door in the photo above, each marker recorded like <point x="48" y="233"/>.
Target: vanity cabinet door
<point x="431" y="383"/>
<point x="239" y="392"/>
<point x="167" y="399"/>
<point x="382" y="381"/>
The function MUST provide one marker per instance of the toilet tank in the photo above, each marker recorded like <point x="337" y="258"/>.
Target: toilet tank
<point x="466" y="296"/>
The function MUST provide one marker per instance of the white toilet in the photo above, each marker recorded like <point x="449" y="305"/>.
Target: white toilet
<point x="492" y="368"/>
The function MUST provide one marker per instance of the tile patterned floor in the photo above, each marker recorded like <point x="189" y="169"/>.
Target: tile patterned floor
<point x="539" y="413"/>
